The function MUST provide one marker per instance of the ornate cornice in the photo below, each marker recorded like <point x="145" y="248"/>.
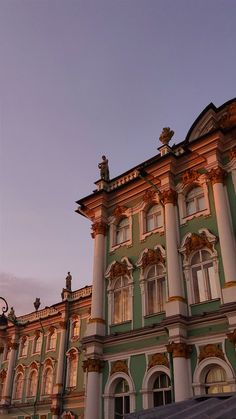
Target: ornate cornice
<point x="232" y="336"/>
<point x="196" y="242"/>
<point x="14" y="345"/>
<point x="98" y="227"/>
<point x="93" y="365"/>
<point x="190" y="176"/>
<point x="151" y="257"/>
<point x="177" y="298"/>
<point x="63" y="324"/>
<point x="211" y="350"/>
<point x="119" y="211"/>
<point x="149" y="196"/>
<point x="158" y="359"/>
<point x="228" y="119"/>
<point x="217" y="175"/>
<point x="169" y="196"/>
<point x="232" y="153"/>
<point x="119" y="269"/>
<point x="119" y="366"/>
<point x="97" y="320"/>
<point x="179" y="350"/>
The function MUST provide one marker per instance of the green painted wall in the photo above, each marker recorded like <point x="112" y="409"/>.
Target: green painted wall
<point x="137" y="369"/>
<point x="205" y="307"/>
<point x="230" y="352"/>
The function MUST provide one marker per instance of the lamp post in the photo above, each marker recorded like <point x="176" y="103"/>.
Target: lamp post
<point x="3" y="318"/>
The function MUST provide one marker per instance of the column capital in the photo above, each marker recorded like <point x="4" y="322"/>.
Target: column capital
<point x="55" y="410"/>
<point x="217" y="175"/>
<point x="179" y="350"/>
<point x="63" y="324"/>
<point x="232" y="336"/>
<point x="93" y="365"/>
<point x="99" y="227"/>
<point x="169" y="196"/>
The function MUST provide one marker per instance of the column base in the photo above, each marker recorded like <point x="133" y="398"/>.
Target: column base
<point x="229" y="292"/>
<point x="176" y="305"/>
<point x="96" y="327"/>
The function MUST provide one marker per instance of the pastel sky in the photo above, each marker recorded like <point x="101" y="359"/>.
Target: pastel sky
<point x="79" y="79"/>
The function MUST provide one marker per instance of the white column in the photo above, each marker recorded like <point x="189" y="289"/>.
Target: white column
<point x="93" y="396"/>
<point x="97" y="323"/>
<point x="176" y="303"/>
<point x="226" y="237"/>
<point x="61" y="356"/>
<point x="182" y="384"/>
<point x="10" y="373"/>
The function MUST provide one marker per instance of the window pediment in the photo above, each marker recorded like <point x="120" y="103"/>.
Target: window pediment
<point x="151" y="256"/>
<point x="116" y="269"/>
<point x="193" y="242"/>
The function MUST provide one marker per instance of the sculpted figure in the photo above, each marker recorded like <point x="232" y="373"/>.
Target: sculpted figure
<point x="68" y="281"/>
<point x="104" y="169"/>
<point x="166" y="135"/>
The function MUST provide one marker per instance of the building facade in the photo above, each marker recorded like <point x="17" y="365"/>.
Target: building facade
<point x="163" y="322"/>
<point x="41" y="374"/>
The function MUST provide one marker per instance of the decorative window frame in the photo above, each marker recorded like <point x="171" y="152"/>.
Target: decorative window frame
<point x="114" y="271"/>
<point x="20" y="370"/>
<point x="119" y="213"/>
<point x="24" y="339"/>
<point x="147" y="258"/>
<point x="49" y="363"/>
<point x="148" y="382"/>
<point x="203" y="368"/>
<point x="150" y="199"/>
<point x="37" y="335"/>
<point x="75" y="353"/>
<point x="109" y="393"/>
<point x="74" y="318"/>
<point x="202" y="241"/>
<point x="190" y="180"/>
<point x="34" y="366"/>
<point x="50" y="332"/>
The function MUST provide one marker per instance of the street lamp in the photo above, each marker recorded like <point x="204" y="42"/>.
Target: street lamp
<point x="3" y="318"/>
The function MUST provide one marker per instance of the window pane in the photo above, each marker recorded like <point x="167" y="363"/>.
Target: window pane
<point x="150" y="223"/>
<point x="168" y="397"/>
<point x="151" y="272"/>
<point x="201" y="203"/>
<point x="210" y="275"/>
<point x="126" y="305"/>
<point x="158" y="219"/>
<point x="127" y="405"/>
<point x="158" y="398"/>
<point x="117" y="306"/>
<point x="205" y="255"/>
<point x="190" y="207"/>
<point x="198" y="285"/>
<point x="118" y="407"/>
<point x="151" y="289"/>
<point x="195" y="258"/>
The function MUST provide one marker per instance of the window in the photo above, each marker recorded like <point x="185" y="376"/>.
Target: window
<point x="3" y="375"/>
<point x="75" y="329"/>
<point x="161" y="390"/>
<point x="72" y="363"/>
<point x="24" y="346"/>
<point x="32" y="388"/>
<point x="156" y="290"/>
<point x="52" y="340"/>
<point x="122" y="231"/>
<point x="154" y="218"/>
<point x="203" y="277"/>
<point x="47" y="381"/>
<point x="18" y="386"/>
<point x="37" y="343"/>
<point x="195" y="201"/>
<point x="121" y="300"/>
<point x="122" y="399"/>
<point x="216" y="382"/>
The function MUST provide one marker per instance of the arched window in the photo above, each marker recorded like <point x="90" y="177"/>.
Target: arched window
<point x="24" y="346"/>
<point x="195" y="201"/>
<point x="19" y="380"/>
<point x="52" y="340"/>
<point x="216" y="381"/>
<point x="122" y="231"/>
<point x="75" y="328"/>
<point x="203" y="277"/>
<point x="161" y="390"/>
<point x="154" y="218"/>
<point x="155" y="290"/>
<point x="47" y="381"/>
<point x="121" y="300"/>
<point x="37" y="343"/>
<point x="32" y="386"/>
<point x="72" y="365"/>
<point x="122" y="399"/>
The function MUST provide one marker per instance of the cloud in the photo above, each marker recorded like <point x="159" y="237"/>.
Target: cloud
<point x="21" y="292"/>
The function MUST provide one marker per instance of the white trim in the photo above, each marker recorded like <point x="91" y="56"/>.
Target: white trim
<point x="109" y="394"/>
<point x="143" y="218"/>
<point x="148" y="381"/>
<point x="113" y="222"/>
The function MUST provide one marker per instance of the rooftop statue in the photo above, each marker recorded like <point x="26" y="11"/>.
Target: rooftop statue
<point x="166" y="135"/>
<point x="37" y="303"/>
<point x="68" y="281"/>
<point x="104" y="169"/>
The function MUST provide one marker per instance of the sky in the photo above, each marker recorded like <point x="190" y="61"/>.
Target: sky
<point x="79" y="79"/>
